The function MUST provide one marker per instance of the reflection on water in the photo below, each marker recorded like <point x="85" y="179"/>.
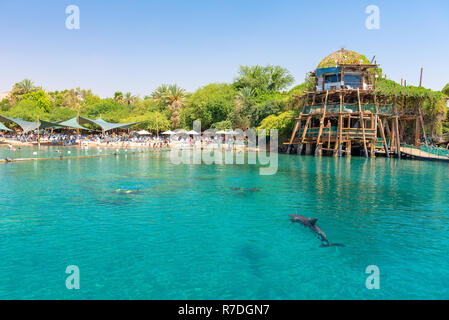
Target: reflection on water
<point x="141" y="227"/>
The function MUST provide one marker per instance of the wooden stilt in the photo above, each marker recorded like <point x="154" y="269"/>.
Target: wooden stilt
<point x="422" y="125"/>
<point x="398" y="138"/>
<point x="297" y="125"/>
<point x="323" y="116"/>
<point x="337" y="147"/>
<point x="382" y="134"/>
<point x="292" y="138"/>
<point x="387" y="127"/>
<point x="396" y="130"/>
<point x="348" y="148"/>
<point x="339" y="136"/>
<point x="393" y="137"/>
<point x="305" y="129"/>
<point x="362" y="123"/>
<point x="299" y="149"/>
<point x="417" y="132"/>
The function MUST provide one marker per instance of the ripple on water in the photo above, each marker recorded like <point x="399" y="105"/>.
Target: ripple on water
<point x="199" y="232"/>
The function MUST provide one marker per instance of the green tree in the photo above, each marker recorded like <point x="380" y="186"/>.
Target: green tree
<point x="108" y="109"/>
<point x="173" y="97"/>
<point x="209" y="104"/>
<point x="261" y="111"/>
<point x="118" y="96"/>
<point x="222" y="125"/>
<point x="154" y="121"/>
<point x="25" y="86"/>
<point x="40" y="97"/>
<point x="28" y="110"/>
<point x="129" y="98"/>
<point x="161" y="93"/>
<point x="240" y="116"/>
<point x="5" y="105"/>
<point x="283" y="123"/>
<point x="261" y="79"/>
<point x="446" y="90"/>
<point x="60" y="113"/>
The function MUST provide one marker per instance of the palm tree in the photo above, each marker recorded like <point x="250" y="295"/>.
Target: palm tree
<point x="173" y="97"/>
<point x="176" y="96"/>
<point x="118" y="96"/>
<point x="21" y="88"/>
<point x="26" y="86"/>
<point x="240" y="114"/>
<point x="160" y="93"/>
<point x="129" y="98"/>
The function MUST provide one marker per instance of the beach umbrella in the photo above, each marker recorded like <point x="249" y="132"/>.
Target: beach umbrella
<point x="143" y="133"/>
<point x="169" y="132"/>
<point x="193" y="132"/>
<point x="221" y="132"/>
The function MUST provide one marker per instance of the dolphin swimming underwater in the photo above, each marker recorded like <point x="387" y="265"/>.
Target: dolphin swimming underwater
<point x="311" y="224"/>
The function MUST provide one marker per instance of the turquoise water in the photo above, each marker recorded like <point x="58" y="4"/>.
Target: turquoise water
<point x="184" y="233"/>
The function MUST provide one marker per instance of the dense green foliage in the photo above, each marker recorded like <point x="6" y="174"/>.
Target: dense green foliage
<point x="343" y="56"/>
<point x="446" y="90"/>
<point x="254" y="95"/>
<point x="433" y="104"/>
<point x="255" y="99"/>
<point x="263" y="79"/>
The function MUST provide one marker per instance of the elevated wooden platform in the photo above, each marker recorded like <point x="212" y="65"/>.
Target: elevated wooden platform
<point x="422" y="155"/>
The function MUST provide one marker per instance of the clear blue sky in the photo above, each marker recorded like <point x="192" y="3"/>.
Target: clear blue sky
<point x="137" y="45"/>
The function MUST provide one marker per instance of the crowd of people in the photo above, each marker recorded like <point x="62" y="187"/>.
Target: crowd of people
<point x="116" y="139"/>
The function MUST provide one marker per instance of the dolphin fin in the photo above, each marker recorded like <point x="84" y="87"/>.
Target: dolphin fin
<point x="313" y="221"/>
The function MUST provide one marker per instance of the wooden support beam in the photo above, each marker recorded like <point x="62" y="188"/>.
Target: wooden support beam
<point x="362" y="123"/>
<point x="338" y="145"/>
<point x="292" y="138"/>
<point x="348" y="148"/>
<point x="398" y="138"/>
<point x="396" y="130"/>
<point x="382" y="135"/>
<point x="305" y="129"/>
<point x="417" y="132"/>
<point x="295" y="129"/>
<point x="320" y="132"/>
<point x="420" y="78"/>
<point x="393" y="137"/>
<point x="422" y="125"/>
<point x="387" y="127"/>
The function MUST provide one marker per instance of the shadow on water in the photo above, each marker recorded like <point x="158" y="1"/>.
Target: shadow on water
<point x="255" y="258"/>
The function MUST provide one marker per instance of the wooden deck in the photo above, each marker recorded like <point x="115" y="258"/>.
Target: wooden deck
<point x="422" y="155"/>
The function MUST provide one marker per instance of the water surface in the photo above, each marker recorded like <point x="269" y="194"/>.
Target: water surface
<point x="187" y="232"/>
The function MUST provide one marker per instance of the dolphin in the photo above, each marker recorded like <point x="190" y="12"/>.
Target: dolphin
<point x="311" y="224"/>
